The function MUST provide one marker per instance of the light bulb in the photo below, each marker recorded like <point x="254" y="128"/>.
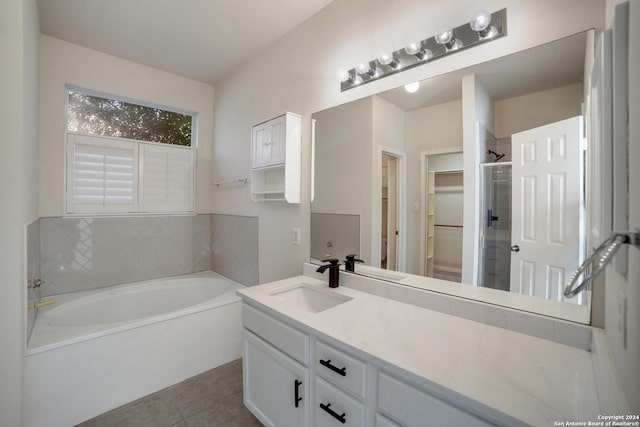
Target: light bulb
<point x="416" y="50"/>
<point x="390" y="60"/>
<point x="413" y="48"/>
<point x="481" y="23"/>
<point x="444" y="36"/>
<point x="342" y="75"/>
<point x="412" y="87"/>
<point x="358" y="80"/>
<point x="480" y="20"/>
<point x="385" y="58"/>
<point x="447" y="39"/>
<point x="363" y="68"/>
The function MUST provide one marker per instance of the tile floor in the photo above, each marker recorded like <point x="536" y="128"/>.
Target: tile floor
<point x="213" y="398"/>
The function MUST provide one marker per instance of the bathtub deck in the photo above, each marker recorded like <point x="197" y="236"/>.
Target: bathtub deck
<point x="213" y="398"/>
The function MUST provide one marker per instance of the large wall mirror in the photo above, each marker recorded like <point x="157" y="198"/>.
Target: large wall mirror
<point x="476" y="179"/>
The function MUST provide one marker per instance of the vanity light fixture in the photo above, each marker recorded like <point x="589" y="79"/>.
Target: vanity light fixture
<point x="345" y="76"/>
<point x="365" y="69"/>
<point x="446" y="38"/>
<point x="481" y="24"/>
<point x="417" y="50"/>
<point x="390" y="60"/>
<point x="483" y="27"/>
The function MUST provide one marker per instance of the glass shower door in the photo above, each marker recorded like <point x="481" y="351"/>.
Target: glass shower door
<point x="495" y="219"/>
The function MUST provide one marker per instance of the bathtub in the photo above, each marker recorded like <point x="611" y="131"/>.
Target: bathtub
<point x="93" y="351"/>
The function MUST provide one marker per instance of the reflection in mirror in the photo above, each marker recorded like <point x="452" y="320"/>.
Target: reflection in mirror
<point x="476" y="178"/>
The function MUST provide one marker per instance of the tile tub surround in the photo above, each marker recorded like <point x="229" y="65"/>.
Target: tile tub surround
<point x="234" y="247"/>
<point x="33" y="271"/>
<point x="77" y="254"/>
<point x="505" y="377"/>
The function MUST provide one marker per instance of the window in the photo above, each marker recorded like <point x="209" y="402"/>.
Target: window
<point x="127" y="158"/>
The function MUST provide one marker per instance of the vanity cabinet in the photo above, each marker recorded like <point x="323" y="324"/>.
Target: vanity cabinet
<point x="337" y="387"/>
<point x="275" y="378"/>
<point x="275" y="159"/>
<point x="275" y="386"/>
<point x="338" y="377"/>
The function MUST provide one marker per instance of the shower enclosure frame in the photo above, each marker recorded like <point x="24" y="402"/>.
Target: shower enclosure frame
<point x="483" y="213"/>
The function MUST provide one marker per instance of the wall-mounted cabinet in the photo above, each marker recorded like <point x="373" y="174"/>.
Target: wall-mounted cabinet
<point x="275" y="159"/>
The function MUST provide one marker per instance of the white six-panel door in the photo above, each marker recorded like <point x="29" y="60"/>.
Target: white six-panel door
<point x="546" y="208"/>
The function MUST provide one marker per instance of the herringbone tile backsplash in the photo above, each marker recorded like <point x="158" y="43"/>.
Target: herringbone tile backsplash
<point x="77" y="254"/>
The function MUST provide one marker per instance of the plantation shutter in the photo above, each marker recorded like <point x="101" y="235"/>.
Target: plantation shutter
<point x="101" y="174"/>
<point x="166" y="178"/>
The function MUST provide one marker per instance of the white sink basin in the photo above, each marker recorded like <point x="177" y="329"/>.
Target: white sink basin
<point x="310" y="299"/>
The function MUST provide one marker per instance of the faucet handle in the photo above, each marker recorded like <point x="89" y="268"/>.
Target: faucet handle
<point x="352" y="258"/>
<point x="331" y="261"/>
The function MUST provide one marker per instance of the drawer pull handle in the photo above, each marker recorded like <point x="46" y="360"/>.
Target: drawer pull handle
<point x="296" y="389"/>
<point x="327" y="364"/>
<point x="335" y="415"/>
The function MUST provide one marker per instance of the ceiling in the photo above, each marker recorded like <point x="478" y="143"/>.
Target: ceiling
<point x="552" y="65"/>
<point x="200" y="39"/>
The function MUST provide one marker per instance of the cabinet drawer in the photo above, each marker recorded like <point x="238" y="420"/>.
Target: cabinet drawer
<point x="340" y="369"/>
<point x="333" y="406"/>
<point x="291" y="341"/>
<point x="409" y="406"/>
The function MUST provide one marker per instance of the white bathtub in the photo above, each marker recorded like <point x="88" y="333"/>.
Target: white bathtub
<point x="94" y="351"/>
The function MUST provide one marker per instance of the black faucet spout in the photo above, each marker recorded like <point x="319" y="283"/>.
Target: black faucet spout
<point x="350" y="262"/>
<point x="334" y="271"/>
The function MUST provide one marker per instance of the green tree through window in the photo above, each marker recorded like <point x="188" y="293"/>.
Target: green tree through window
<point x="111" y="117"/>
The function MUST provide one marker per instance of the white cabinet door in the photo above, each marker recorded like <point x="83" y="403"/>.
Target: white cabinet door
<point x="545" y="208"/>
<point x="268" y="143"/>
<point x="275" y="386"/>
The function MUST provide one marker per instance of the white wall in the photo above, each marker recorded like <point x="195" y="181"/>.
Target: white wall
<point x="298" y="72"/>
<point x="529" y="111"/>
<point x="477" y="111"/>
<point x="387" y="134"/>
<point x="19" y="30"/>
<point x="426" y="129"/>
<point x="343" y="156"/>
<point x="617" y="286"/>
<point x="65" y="63"/>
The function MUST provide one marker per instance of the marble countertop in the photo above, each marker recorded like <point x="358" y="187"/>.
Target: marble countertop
<point x="503" y="374"/>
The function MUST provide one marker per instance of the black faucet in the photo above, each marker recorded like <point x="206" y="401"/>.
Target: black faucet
<point x="350" y="263"/>
<point x="334" y="271"/>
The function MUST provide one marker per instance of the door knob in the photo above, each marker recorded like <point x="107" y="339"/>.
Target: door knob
<point x="515" y="248"/>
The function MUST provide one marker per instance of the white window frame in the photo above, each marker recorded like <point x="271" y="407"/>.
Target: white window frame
<point x="139" y="148"/>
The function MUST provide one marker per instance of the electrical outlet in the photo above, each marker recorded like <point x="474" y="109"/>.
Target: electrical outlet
<point x="296" y="236"/>
<point x="622" y="319"/>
